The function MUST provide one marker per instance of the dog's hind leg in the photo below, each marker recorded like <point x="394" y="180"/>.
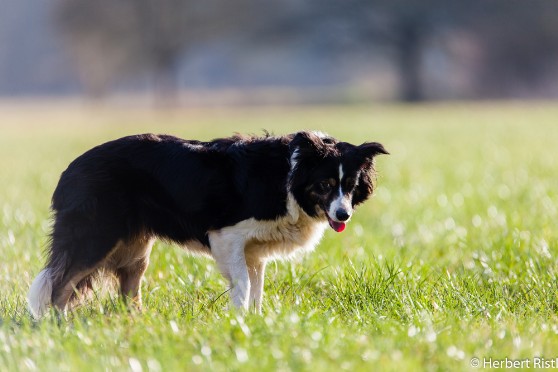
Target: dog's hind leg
<point x="256" y="272"/>
<point x="228" y="250"/>
<point x="69" y="288"/>
<point x="129" y="261"/>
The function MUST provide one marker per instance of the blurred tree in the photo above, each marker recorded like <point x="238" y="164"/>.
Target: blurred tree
<point x="400" y="28"/>
<point x="99" y="37"/>
<point x="117" y="38"/>
<point x="113" y="39"/>
<point x="519" y="44"/>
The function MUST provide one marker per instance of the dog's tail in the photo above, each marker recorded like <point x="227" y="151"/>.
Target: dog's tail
<point x="40" y="293"/>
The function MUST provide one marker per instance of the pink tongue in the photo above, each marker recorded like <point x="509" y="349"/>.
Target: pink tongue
<point x="337" y="226"/>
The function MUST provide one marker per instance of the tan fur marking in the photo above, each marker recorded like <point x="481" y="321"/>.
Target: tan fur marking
<point x="129" y="260"/>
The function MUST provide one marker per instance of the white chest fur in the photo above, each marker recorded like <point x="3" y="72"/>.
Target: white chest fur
<point x="280" y="238"/>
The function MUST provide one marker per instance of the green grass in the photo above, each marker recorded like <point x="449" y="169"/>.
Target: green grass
<point x="454" y="258"/>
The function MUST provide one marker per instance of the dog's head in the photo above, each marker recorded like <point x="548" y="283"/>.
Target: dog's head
<point x="329" y="178"/>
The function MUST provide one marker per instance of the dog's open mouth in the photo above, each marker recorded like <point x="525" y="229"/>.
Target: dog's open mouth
<point x="337" y="226"/>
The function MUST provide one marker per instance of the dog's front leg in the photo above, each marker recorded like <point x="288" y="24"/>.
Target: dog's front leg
<point x="228" y="251"/>
<point x="256" y="271"/>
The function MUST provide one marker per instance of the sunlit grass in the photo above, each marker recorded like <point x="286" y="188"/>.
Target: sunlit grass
<point x="454" y="257"/>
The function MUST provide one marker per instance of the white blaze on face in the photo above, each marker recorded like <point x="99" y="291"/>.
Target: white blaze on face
<point x="341" y="201"/>
<point x="294" y="158"/>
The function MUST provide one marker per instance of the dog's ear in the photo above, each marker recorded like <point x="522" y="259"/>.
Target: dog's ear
<point x="371" y="149"/>
<point x="366" y="153"/>
<point x="307" y="144"/>
<point x="368" y="150"/>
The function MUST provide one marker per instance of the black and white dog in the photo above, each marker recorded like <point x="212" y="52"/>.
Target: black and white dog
<point x="240" y="200"/>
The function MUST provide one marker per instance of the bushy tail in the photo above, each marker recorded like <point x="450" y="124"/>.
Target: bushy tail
<point x="40" y="293"/>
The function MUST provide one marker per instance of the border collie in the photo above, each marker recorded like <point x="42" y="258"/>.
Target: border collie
<point x="241" y="200"/>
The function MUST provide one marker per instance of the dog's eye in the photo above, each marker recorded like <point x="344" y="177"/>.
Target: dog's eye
<point x="324" y="186"/>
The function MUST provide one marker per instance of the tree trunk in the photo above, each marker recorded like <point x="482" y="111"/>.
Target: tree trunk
<point x="408" y="55"/>
<point x="165" y="82"/>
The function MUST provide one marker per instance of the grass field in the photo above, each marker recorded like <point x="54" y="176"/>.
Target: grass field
<point x="454" y="258"/>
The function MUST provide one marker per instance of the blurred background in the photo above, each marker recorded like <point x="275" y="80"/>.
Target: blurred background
<point x="279" y="51"/>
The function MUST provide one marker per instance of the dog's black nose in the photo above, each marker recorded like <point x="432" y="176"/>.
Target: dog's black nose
<point x="342" y="215"/>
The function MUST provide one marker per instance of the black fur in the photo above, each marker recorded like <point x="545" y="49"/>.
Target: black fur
<point x="178" y="190"/>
